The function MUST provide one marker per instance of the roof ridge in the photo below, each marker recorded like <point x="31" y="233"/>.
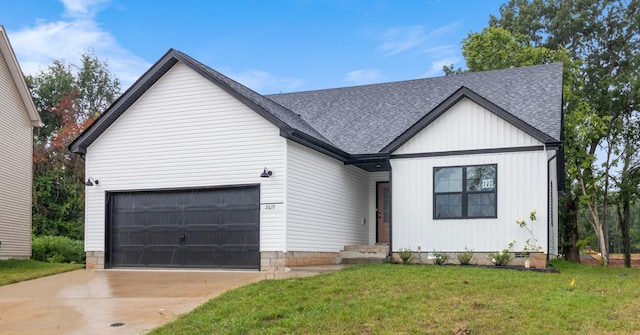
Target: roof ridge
<point x="487" y="72"/>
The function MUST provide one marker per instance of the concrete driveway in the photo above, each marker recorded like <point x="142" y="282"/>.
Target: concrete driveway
<point x="113" y="301"/>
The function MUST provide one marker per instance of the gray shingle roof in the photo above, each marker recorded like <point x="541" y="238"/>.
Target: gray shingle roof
<point x="365" y="119"/>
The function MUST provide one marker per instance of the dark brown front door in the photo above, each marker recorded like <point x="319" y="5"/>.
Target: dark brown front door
<point x="383" y="212"/>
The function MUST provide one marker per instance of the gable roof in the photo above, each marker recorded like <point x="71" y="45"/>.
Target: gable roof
<point x="290" y="124"/>
<point x="6" y="51"/>
<point x="529" y="96"/>
<point x="365" y="123"/>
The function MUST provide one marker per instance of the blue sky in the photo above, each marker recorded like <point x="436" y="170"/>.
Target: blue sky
<point x="270" y="46"/>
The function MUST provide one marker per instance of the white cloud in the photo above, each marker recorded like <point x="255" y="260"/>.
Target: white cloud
<point x="364" y="76"/>
<point x="264" y="82"/>
<point x="436" y="66"/>
<point x="81" y="8"/>
<point x="400" y="39"/>
<point x="37" y="46"/>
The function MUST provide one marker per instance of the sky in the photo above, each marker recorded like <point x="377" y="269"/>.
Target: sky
<point x="271" y="46"/>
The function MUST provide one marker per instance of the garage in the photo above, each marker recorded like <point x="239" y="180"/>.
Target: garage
<point x="186" y="228"/>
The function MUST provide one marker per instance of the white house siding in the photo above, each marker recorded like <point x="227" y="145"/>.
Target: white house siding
<point x="16" y="136"/>
<point x="466" y="126"/>
<point x="521" y="187"/>
<point x="187" y="132"/>
<point x="521" y="184"/>
<point x="326" y="202"/>
<point x="374" y="178"/>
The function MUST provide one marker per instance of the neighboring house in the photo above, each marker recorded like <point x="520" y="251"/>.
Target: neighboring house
<point x="18" y="116"/>
<point x="192" y="169"/>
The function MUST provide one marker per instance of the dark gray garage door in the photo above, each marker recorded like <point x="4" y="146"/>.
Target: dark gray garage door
<point x="207" y="228"/>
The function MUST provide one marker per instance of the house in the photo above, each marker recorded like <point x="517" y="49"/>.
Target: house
<point x="18" y="116"/>
<point x="189" y="168"/>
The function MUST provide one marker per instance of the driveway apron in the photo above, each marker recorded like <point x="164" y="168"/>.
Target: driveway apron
<point x="110" y="301"/>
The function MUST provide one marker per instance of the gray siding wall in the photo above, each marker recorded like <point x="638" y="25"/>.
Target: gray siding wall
<point x="16" y="151"/>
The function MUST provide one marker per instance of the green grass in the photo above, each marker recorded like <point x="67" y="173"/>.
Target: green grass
<point x="427" y="299"/>
<point x="13" y="271"/>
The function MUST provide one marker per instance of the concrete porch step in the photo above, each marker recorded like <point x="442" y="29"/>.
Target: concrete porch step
<point x="363" y="254"/>
<point x="367" y="248"/>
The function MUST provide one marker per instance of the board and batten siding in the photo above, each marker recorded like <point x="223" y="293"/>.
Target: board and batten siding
<point x="466" y="126"/>
<point x="186" y="132"/>
<point x="16" y="159"/>
<point x="327" y="202"/>
<point x="521" y="184"/>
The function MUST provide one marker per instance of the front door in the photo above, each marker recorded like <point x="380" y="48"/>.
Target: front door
<point x="383" y="212"/>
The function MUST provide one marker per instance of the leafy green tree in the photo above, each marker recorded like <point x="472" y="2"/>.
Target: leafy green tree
<point x="68" y="98"/>
<point x="605" y="36"/>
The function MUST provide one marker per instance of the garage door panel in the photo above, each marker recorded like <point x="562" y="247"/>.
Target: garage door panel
<point x="201" y="236"/>
<point x="239" y="236"/>
<point x="170" y="235"/>
<point x="239" y="257"/>
<point x="239" y="215"/>
<point x="192" y="228"/>
<point x="163" y="256"/>
<point x="201" y="216"/>
<point x="156" y="256"/>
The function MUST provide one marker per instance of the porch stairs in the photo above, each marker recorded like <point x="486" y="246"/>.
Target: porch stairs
<point x="364" y="254"/>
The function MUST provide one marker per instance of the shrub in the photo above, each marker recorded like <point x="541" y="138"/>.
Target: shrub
<point x="57" y="249"/>
<point x="440" y="258"/>
<point x="465" y="257"/>
<point x="406" y="255"/>
<point x="501" y="258"/>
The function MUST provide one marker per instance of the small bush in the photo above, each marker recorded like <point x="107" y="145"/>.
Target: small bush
<point x="501" y="258"/>
<point x="465" y="257"/>
<point x="440" y="258"/>
<point x="406" y="255"/>
<point x="57" y="249"/>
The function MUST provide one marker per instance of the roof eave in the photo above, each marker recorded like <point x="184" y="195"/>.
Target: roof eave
<point x="315" y="144"/>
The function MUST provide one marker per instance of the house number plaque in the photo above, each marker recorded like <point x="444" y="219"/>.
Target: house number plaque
<point x="487" y="183"/>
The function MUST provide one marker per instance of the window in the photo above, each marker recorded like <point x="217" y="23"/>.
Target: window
<point x="465" y="192"/>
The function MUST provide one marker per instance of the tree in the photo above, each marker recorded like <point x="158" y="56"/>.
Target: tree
<point x="68" y="98"/>
<point x="496" y="48"/>
<point x="605" y="36"/>
<point x="627" y="183"/>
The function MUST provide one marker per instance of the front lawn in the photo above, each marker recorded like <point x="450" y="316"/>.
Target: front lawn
<point x="427" y="299"/>
<point x="13" y="270"/>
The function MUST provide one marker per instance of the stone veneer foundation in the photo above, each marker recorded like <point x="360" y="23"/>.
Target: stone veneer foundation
<point x="94" y="260"/>
<point x="271" y="261"/>
<point x="277" y="261"/>
<point x="479" y="258"/>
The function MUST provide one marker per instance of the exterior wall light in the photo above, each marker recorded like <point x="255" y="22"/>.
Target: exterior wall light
<point x="91" y="182"/>
<point x="266" y="173"/>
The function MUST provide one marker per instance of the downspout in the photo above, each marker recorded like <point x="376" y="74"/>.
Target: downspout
<point x="549" y="213"/>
